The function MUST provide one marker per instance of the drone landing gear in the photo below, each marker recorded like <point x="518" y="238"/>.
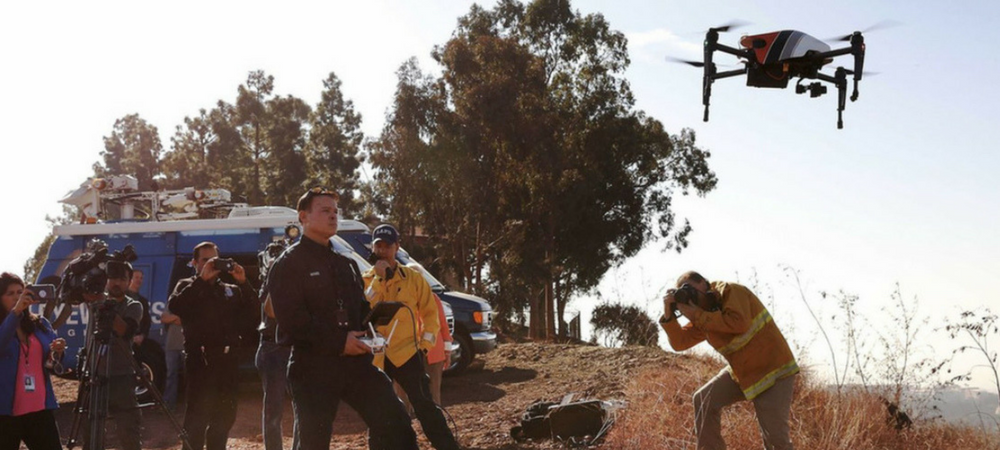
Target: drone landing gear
<point x="711" y="45"/>
<point x="839" y="79"/>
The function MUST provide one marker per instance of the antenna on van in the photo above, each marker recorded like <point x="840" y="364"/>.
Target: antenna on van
<point x="117" y="197"/>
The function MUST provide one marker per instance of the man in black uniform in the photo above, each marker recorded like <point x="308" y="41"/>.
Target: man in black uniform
<point x="320" y="306"/>
<point x="214" y="314"/>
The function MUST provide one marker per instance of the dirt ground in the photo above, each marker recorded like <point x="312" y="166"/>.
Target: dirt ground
<point x="485" y="401"/>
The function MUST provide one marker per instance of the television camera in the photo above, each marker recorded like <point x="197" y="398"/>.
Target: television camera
<point x="87" y="274"/>
<point x="266" y="257"/>
<point x="772" y="59"/>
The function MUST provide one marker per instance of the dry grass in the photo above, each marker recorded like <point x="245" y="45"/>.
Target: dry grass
<point x="660" y="415"/>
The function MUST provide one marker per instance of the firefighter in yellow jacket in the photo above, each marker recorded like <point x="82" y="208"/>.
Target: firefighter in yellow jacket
<point x="761" y="365"/>
<point x="416" y="329"/>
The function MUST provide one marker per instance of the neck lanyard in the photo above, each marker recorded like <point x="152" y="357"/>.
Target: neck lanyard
<point x="25" y="349"/>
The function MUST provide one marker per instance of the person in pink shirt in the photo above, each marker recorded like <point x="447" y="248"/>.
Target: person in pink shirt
<point x="27" y="341"/>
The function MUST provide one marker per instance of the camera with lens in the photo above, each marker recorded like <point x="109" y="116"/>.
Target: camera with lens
<point x="266" y="257"/>
<point x="42" y="293"/>
<point x="687" y="295"/>
<point x="88" y="273"/>
<point x="225" y="265"/>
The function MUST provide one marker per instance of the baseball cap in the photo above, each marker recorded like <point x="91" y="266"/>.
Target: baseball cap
<point x="386" y="233"/>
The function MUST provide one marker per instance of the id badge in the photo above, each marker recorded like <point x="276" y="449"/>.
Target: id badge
<point x="29" y="383"/>
<point x="342" y="321"/>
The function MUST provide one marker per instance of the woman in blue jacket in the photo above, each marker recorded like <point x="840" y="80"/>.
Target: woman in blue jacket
<point x="27" y="341"/>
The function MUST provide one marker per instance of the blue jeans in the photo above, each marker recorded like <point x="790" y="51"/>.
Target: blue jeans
<point x="175" y="363"/>
<point x="272" y="364"/>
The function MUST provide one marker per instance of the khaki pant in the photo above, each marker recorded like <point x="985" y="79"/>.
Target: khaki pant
<point x="772" y="408"/>
<point x="435" y="371"/>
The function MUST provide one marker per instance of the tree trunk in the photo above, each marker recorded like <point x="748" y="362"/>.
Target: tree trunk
<point x="534" y="317"/>
<point x="479" y="260"/>
<point x="257" y="192"/>
<point x="550" y="313"/>
<point x="466" y="274"/>
<point x="561" y="308"/>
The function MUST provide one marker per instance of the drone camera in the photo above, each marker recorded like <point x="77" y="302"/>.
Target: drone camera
<point x="815" y="89"/>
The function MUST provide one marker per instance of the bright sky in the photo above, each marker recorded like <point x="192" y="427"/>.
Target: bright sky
<point x="905" y="193"/>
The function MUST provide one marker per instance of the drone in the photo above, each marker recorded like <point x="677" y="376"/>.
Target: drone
<point x="771" y="60"/>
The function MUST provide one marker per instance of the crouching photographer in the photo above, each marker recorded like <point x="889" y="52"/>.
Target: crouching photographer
<point x="28" y="347"/>
<point x="761" y="366"/>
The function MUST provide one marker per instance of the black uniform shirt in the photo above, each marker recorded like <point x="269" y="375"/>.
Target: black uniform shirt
<point x="215" y="314"/>
<point x="308" y="284"/>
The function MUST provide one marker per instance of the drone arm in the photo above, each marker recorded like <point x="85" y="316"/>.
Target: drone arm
<point x="733" y="51"/>
<point x="826" y="78"/>
<point x="729" y="73"/>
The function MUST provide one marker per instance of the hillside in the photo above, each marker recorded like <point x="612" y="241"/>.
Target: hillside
<point x="487" y="401"/>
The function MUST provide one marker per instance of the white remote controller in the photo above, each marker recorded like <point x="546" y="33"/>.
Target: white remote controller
<point x="376" y="343"/>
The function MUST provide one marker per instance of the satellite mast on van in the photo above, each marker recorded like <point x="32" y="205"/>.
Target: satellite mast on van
<point x="117" y="197"/>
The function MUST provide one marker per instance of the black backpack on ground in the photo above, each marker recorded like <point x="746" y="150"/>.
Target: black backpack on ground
<point x="563" y="422"/>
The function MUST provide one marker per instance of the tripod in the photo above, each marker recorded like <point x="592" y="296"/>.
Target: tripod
<point x="92" y="394"/>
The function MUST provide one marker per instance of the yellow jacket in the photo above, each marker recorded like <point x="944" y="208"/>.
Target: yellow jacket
<point x="744" y="333"/>
<point x="409" y="288"/>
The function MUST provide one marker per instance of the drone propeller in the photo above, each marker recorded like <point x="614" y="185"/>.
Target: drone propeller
<point x="697" y="63"/>
<point x="685" y="61"/>
<point x="730" y="26"/>
<point x="878" y="26"/>
<point x="864" y="73"/>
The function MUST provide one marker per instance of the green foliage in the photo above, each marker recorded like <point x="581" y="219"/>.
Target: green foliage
<point x="133" y="148"/>
<point x="333" y="149"/>
<point x="264" y="148"/>
<point x="527" y="161"/>
<point x="622" y="325"/>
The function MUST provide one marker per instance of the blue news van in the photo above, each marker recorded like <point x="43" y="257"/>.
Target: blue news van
<point x="164" y="255"/>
